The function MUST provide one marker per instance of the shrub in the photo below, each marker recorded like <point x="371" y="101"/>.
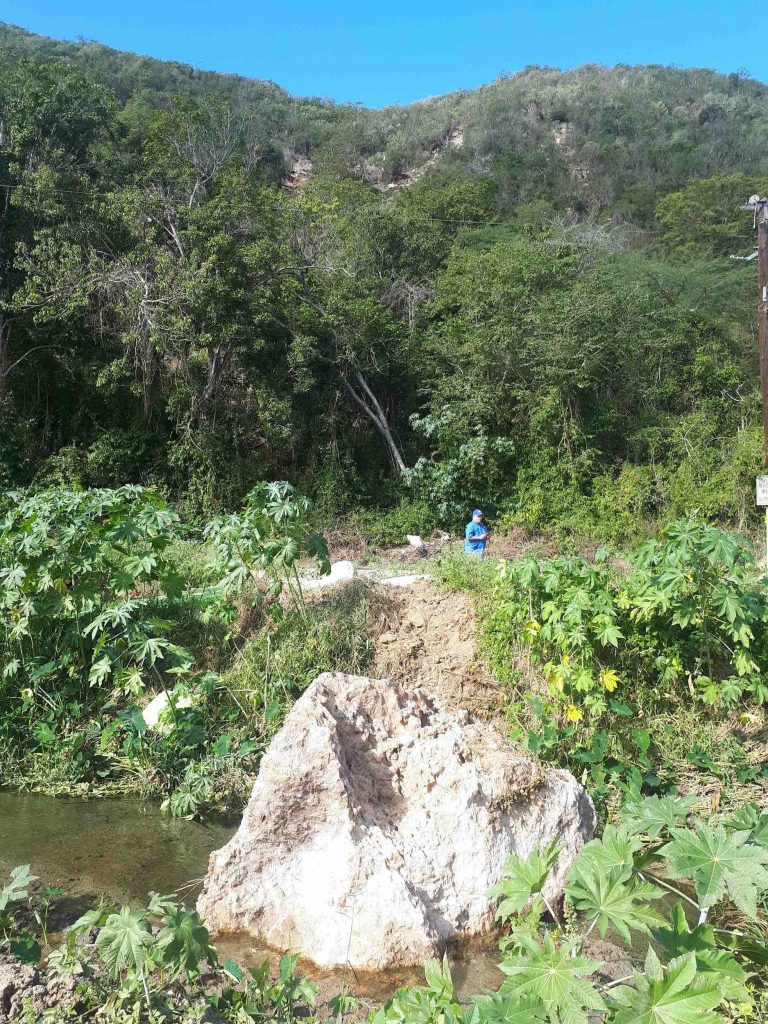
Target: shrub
<point x="269" y="536"/>
<point x="691" y="611"/>
<point x="616" y="885"/>
<point x="386" y="528"/>
<point x="84" y="575"/>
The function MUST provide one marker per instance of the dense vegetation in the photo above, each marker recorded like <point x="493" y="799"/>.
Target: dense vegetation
<point x="131" y="961"/>
<point x="546" y="321"/>
<point x="519" y="297"/>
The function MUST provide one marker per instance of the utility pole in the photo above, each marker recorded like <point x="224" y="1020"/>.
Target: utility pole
<point x="759" y="208"/>
<point x="761" y="216"/>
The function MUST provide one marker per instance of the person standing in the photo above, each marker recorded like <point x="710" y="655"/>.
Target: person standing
<point x="476" y="534"/>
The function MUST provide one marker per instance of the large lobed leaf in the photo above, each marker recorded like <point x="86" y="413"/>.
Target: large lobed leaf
<point x="678" y="939"/>
<point x="522" y="878"/>
<point x="716" y="861"/>
<point x="555" y="976"/>
<point x="677" y="995"/>
<point x="18" y="886"/>
<point x="124" y="940"/>
<point x="614" y="899"/>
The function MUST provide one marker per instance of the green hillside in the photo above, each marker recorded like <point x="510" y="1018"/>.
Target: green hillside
<point x="500" y="295"/>
<point x="244" y="335"/>
<point x="596" y="139"/>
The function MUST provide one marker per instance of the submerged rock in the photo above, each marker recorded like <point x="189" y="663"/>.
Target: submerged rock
<point x="377" y="824"/>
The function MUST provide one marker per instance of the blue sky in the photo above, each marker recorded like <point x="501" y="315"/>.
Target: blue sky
<point x="377" y="53"/>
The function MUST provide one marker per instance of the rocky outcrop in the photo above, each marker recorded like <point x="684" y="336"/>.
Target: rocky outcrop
<point x="377" y="824"/>
<point x="299" y="171"/>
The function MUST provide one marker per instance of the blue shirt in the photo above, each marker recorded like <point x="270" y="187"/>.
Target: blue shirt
<point x="475" y="530"/>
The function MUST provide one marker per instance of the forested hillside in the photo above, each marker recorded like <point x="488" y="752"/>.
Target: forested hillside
<point x="519" y="296"/>
<point x="244" y="334"/>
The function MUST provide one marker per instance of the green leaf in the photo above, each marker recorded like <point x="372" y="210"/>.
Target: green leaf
<point x="222" y="746"/>
<point x="44" y="734"/>
<point x="675" y="996"/>
<point x="90" y="919"/>
<point x="612" y="898"/>
<point x="17" y="888"/>
<point x="124" y="940"/>
<point x="678" y="939"/>
<point x="751" y="820"/>
<point x="183" y="942"/>
<point x="609" y="634"/>
<point x="716" y="860"/>
<point x="522" y="878"/>
<point x="620" y="708"/>
<point x="100" y="671"/>
<point x="750" y="949"/>
<point x="234" y="970"/>
<point x="552" y="974"/>
<point x="11" y="668"/>
<point x="439" y="980"/>
<point x="134" y="719"/>
<point x="287" y="965"/>
<point x="495" y="1008"/>
<point x="652" y="815"/>
<point x="26" y="948"/>
<point x="616" y="848"/>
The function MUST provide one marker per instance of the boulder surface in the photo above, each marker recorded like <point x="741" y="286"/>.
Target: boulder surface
<point x="377" y="824"/>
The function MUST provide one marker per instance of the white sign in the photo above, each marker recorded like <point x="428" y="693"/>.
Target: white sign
<point x="761" y="487"/>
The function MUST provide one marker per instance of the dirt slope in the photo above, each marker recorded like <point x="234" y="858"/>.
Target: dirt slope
<point x="427" y="638"/>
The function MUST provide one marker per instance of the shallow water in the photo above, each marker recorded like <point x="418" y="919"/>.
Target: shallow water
<point x="124" y="847"/>
<point x="473" y="969"/>
<point x="121" y="848"/>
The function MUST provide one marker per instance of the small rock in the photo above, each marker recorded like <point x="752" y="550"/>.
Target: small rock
<point x="340" y="571"/>
<point x="416" y="542"/>
<point x="406" y="581"/>
<point x="415" y="618"/>
<point x="158" y="704"/>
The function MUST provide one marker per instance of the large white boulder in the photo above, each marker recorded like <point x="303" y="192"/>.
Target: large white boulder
<point x="378" y="823"/>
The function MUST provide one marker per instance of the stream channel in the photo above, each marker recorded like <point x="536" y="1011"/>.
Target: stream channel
<point x="124" y="847"/>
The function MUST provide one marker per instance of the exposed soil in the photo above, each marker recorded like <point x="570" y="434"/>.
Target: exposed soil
<point x="427" y="638"/>
<point x="517" y="542"/>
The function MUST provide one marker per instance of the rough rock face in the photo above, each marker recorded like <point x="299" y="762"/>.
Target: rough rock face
<point x="17" y="981"/>
<point x="378" y="823"/>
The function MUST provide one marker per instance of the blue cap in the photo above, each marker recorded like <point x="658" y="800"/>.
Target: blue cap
<point x="477" y="512"/>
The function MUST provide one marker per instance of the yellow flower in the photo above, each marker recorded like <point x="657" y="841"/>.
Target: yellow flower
<point x="610" y="679"/>
<point x="573" y="714"/>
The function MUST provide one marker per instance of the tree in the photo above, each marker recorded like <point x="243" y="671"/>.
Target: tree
<point x="705" y="218"/>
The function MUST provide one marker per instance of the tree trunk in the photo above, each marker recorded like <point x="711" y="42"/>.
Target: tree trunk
<point x="218" y="357"/>
<point x="373" y="410"/>
<point x="5" y="359"/>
